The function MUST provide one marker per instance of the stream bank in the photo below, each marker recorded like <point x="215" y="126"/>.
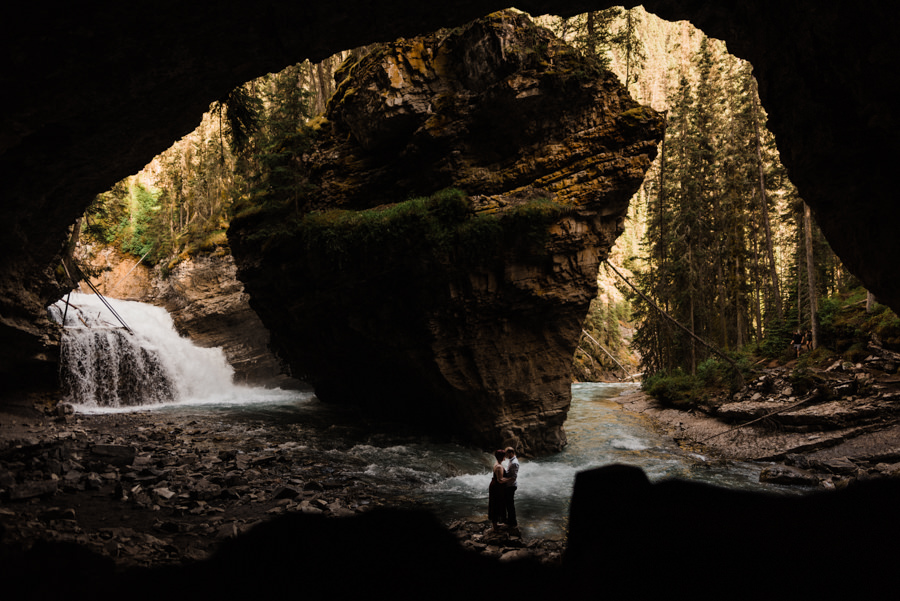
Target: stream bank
<point x="819" y="427"/>
<point x="145" y="489"/>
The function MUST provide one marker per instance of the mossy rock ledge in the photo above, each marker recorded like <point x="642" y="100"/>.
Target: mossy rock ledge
<point x="459" y="309"/>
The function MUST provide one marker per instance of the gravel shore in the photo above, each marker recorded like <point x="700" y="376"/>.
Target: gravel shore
<point x="147" y="490"/>
<point x="843" y="429"/>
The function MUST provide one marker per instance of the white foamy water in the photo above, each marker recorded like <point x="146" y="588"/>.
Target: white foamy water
<point x="107" y="368"/>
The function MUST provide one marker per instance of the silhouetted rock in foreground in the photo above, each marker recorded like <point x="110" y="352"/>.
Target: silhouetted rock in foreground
<point x="628" y="538"/>
<point x="632" y="539"/>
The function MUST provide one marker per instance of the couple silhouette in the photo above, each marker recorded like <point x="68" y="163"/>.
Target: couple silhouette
<point x="502" y="490"/>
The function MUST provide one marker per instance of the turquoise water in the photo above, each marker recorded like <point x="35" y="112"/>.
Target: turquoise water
<point x="452" y="480"/>
<point x="599" y="433"/>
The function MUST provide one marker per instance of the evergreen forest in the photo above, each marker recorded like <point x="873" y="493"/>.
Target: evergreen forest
<point x="724" y="259"/>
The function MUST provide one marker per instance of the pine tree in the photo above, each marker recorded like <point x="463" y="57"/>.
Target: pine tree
<point x="631" y="45"/>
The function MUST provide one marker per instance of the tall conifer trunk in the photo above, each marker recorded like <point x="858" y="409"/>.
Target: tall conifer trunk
<point x="764" y="205"/>
<point x="757" y="309"/>
<point x="691" y="305"/>
<point x="723" y="312"/>
<point x="661" y="197"/>
<point x="811" y="276"/>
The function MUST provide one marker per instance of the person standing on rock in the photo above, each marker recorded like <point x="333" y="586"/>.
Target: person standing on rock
<point x="497" y="492"/>
<point x="511" y="485"/>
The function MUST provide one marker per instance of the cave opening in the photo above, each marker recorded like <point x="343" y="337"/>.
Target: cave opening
<point x="815" y="131"/>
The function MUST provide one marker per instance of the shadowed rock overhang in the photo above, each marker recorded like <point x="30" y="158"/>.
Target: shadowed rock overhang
<point x="93" y="93"/>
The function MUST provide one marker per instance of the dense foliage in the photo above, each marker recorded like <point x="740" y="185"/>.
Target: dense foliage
<point x="242" y="156"/>
<point x="597" y="34"/>
<point x="712" y="260"/>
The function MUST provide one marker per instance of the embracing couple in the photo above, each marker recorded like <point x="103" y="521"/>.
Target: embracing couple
<point x="502" y="490"/>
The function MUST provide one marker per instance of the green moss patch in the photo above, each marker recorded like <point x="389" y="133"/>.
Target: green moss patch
<point x="443" y="228"/>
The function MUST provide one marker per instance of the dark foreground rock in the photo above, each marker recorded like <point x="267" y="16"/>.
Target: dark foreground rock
<point x="628" y="539"/>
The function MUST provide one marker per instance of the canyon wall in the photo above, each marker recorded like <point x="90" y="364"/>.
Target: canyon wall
<point x="461" y="311"/>
<point x="209" y="305"/>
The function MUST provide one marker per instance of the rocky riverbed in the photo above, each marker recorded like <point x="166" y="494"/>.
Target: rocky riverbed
<point x="819" y="427"/>
<point x="145" y="489"/>
<point x="149" y="489"/>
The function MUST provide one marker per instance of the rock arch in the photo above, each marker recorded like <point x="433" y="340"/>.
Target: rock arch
<point x="92" y="94"/>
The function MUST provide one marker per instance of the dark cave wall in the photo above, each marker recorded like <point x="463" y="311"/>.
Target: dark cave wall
<point x="94" y="92"/>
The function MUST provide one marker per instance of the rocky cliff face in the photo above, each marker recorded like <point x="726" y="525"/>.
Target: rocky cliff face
<point x="462" y="310"/>
<point x="209" y="305"/>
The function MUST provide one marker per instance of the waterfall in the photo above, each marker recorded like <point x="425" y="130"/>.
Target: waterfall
<point x="104" y="365"/>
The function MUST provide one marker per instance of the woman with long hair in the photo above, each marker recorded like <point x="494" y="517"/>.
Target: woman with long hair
<point x="496" y="503"/>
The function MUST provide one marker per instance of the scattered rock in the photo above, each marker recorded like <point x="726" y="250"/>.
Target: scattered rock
<point x="38" y="488"/>
<point x="840" y="466"/>
<point x="783" y="474"/>
<point x="113" y="450"/>
<point x="7" y="479"/>
<point x="55" y="513"/>
<point x="204" y="489"/>
<point x="846" y="428"/>
<point x="163" y="493"/>
<point x="891" y="470"/>
<point x="285" y="492"/>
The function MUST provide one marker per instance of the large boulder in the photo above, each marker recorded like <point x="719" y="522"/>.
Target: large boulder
<point x="631" y="538"/>
<point x="460" y="311"/>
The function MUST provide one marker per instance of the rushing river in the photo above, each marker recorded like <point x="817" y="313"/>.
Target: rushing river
<point x="450" y="479"/>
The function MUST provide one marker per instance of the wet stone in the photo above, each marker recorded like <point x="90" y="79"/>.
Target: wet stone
<point x="204" y="489"/>
<point x="28" y="490"/>
<point x="840" y="466"/>
<point x="55" y="513"/>
<point x="285" y="492"/>
<point x="143" y="461"/>
<point x="163" y="493"/>
<point x="113" y="450"/>
<point x="7" y="478"/>
<point x="783" y="474"/>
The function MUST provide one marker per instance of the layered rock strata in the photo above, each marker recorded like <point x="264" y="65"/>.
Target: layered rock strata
<point x="210" y="306"/>
<point x="461" y="311"/>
